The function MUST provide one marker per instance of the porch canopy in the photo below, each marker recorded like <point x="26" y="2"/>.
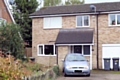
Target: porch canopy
<point x="75" y="36"/>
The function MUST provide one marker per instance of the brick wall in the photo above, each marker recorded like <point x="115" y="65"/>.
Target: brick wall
<point x="107" y="35"/>
<point x="4" y="12"/>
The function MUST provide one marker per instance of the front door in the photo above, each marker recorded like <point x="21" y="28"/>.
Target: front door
<point x="78" y="49"/>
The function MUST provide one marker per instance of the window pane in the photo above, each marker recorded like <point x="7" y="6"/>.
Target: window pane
<point x="53" y="22"/>
<point x="74" y="57"/>
<point x="86" y="21"/>
<point x="86" y="49"/>
<point x="49" y="50"/>
<point x="118" y="19"/>
<point x="2" y="21"/>
<point x="112" y="19"/>
<point x="47" y="22"/>
<point x="79" y="20"/>
<point x="56" y="22"/>
<point x="78" y="49"/>
<point x="40" y="49"/>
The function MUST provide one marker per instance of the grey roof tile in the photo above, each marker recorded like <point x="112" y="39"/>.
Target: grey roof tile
<point x="82" y="8"/>
<point x="75" y="36"/>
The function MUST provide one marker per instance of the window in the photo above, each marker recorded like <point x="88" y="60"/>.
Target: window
<point x="82" y="21"/>
<point x="86" y="49"/>
<point x="2" y="21"/>
<point x="114" y="19"/>
<point x="53" y="22"/>
<point x="49" y="49"/>
<point x="46" y="50"/>
<point x="82" y="49"/>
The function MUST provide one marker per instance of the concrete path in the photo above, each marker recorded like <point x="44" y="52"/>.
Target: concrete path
<point x="92" y="77"/>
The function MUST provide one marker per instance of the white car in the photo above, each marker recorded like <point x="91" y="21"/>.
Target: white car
<point x="75" y="64"/>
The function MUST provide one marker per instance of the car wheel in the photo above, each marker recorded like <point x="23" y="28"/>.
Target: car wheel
<point x="88" y="75"/>
<point x="65" y="75"/>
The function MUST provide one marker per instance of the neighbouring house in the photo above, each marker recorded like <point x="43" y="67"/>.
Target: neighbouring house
<point x="7" y="17"/>
<point x="5" y="13"/>
<point x="89" y="29"/>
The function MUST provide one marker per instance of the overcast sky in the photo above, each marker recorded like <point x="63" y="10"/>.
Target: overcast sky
<point x="99" y="1"/>
<point x="87" y="1"/>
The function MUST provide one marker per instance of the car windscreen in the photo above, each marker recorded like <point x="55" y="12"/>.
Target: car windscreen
<point x="74" y="57"/>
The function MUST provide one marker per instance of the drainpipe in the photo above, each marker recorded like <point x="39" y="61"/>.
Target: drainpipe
<point x="56" y="51"/>
<point x="97" y="37"/>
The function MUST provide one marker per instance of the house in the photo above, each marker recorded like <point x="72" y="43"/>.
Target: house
<point x="6" y="16"/>
<point x="89" y="29"/>
<point x="5" y="13"/>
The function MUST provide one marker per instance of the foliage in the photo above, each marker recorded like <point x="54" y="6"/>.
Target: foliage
<point x="21" y="11"/>
<point x="33" y="67"/>
<point x="70" y="2"/>
<point x="56" y="70"/>
<point x="10" y="70"/>
<point x="10" y="39"/>
<point x="52" y="3"/>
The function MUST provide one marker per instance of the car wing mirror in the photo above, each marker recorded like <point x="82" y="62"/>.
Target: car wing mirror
<point x="62" y="60"/>
<point x="87" y="60"/>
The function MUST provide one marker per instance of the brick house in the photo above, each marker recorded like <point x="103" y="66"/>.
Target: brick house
<point x="89" y="29"/>
<point x="5" y="13"/>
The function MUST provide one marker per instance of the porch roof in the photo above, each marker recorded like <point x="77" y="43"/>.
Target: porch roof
<point x="75" y="36"/>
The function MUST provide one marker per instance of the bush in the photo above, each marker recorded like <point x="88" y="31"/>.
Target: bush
<point x="34" y="67"/>
<point x="56" y="70"/>
<point x="10" y="69"/>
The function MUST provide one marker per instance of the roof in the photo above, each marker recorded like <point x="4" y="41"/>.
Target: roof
<point x="7" y="6"/>
<point x="75" y="36"/>
<point x="81" y="8"/>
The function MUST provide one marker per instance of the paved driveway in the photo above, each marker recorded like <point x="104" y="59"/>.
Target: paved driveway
<point x="92" y="77"/>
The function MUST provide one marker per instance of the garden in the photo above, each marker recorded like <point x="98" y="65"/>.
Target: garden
<point x="16" y="69"/>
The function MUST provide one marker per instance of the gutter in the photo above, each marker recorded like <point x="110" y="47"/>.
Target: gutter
<point x="6" y="4"/>
<point x="57" y="15"/>
<point x="73" y="14"/>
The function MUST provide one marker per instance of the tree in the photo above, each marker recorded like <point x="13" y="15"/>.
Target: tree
<point x="52" y="3"/>
<point x="70" y="2"/>
<point x="10" y="39"/>
<point x="21" y="11"/>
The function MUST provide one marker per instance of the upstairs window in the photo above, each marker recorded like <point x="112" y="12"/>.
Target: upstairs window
<point x="82" y="21"/>
<point x="114" y="19"/>
<point x="52" y="22"/>
<point x="2" y="21"/>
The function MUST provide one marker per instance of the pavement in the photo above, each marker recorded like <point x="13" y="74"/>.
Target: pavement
<point x="92" y="77"/>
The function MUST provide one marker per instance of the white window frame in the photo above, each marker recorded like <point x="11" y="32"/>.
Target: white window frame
<point x="115" y="20"/>
<point x="83" y="21"/>
<point x="50" y="23"/>
<point x="82" y="50"/>
<point x="43" y="54"/>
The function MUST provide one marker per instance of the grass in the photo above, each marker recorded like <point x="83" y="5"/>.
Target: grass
<point x="105" y="72"/>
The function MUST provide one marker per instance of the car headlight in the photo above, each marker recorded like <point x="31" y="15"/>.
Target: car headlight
<point x="69" y="67"/>
<point x="86" y="67"/>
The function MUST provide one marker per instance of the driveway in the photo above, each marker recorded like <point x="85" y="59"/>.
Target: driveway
<point x="92" y="77"/>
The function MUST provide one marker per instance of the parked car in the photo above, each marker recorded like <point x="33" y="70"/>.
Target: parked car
<point x="75" y="64"/>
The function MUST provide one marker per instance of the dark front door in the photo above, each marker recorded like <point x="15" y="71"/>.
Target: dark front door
<point x="78" y="49"/>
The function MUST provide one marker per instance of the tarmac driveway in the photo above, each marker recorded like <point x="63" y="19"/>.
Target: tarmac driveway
<point x="92" y="77"/>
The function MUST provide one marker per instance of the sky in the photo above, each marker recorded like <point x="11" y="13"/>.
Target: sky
<point x="88" y="1"/>
<point x="100" y="1"/>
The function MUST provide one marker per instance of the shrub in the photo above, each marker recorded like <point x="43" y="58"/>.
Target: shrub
<point x="56" y="70"/>
<point x="10" y="69"/>
<point x="34" y="67"/>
